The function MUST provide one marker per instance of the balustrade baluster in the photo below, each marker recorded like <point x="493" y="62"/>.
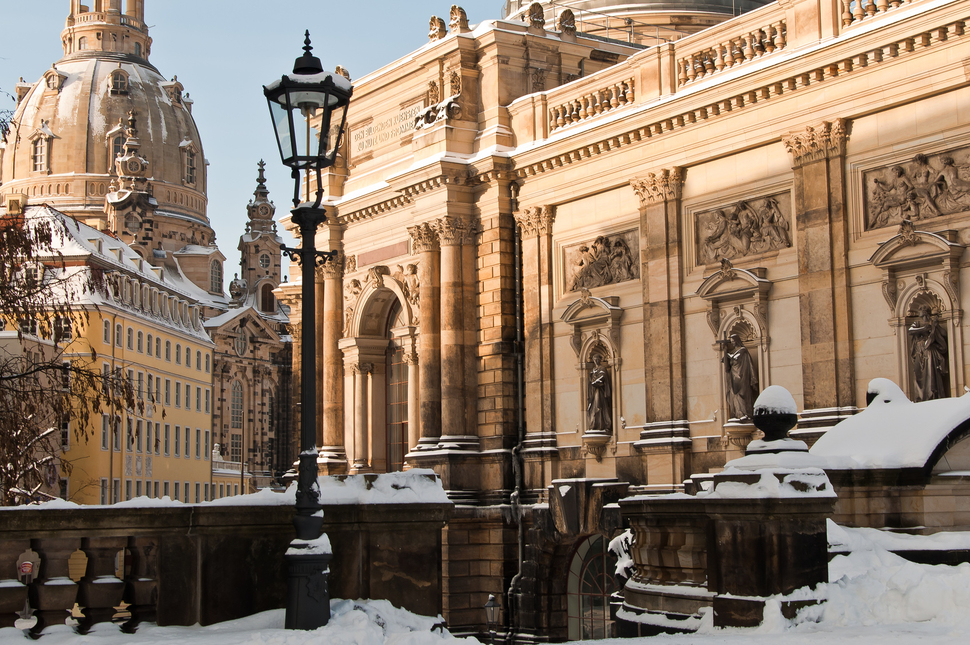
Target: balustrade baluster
<point x="882" y="5"/>
<point x="780" y="35"/>
<point x="574" y="112"/>
<point x="729" y="54"/>
<point x="857" y="12"/>
<point x="582" y="108"/>
<point x="691" y="73"/>
<point x="560" y="115"/>
<point x="614" y="99"/>
<point x="718" y="58"/>
<point x="748" y="48"/>
<point x="870" y="8"/>
<point x="769" y="44"/>
<point x="681" y="72"/>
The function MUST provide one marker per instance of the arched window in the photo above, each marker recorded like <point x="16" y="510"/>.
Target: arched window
<point x="590" y="584"/>
<point x="148" y="345"/>
<point x="82" y="43"/>
<point x="119" y="83"/>
<point x="140" y="342"/>
<point x="267" y="299"/>
<point x="117" y="147"/>
<point x="397" y="408"/>
<point x="38" y="154"/>
<point x="188" y="356"/>
<point x="207" y="363"/>
<point x="168" y="350"/>
<point x="215" y="277"/>
<point x="236" y="403"/>
<point x="198" y="360"/>
<point x="178" y="354"/>
<point x="131" y="338"/>
<point x="137" y="49"/>
<point x="107" y="332"/>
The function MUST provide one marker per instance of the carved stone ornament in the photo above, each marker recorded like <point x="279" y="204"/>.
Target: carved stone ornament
<point x="376" y="275"/>
<point x="911" y="249"/>
<point x="566" y="23"/>
<point x="924" y="188"/>
<point x="608" y="259"/>
<point x="454" y="82"/>
<point x="350" y="265"/>
<point x="333" y="266"/>
<point x="749" y="227"/>
<point x="655" y="188"/>
<point x="407" y="277"/>
<point x="591" y="314"/>
<point x="537" y="16"/>
<point x="362" y="368"/>
<point x="424" y="238"/>
<point x="436" y="29"/>
<point x="450" y="230"/>
<point x="729" y="286"/>
<point x="434" y="95"/>
<point x="536" y="220"/>
<point x="538" y="78"/>
<point x="459" y="20"/>
<point x="826" y="141"/>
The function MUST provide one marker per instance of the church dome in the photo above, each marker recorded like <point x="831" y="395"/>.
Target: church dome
<point x="644" y="23"/>
<point x="70" y="125"/>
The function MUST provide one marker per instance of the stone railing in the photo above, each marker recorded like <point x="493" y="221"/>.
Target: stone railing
<point x="206" y="563"/>
<point x="856" y="11"/>
<point x="590" y="103"/>
<point x="736" y="42"/>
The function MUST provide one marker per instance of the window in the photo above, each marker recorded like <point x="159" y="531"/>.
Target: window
<point x="141" y="386"/>
<point x="119" y="83"/>
<point x="207" y="400"/>
<point x="236" y="404"/>
<point x="137" y="49"/>
<point x="131" y="338"/>
<point x="158" y="389"/>
<point x="105" y="425"/>
<point x="117" y="436"/>
<point x="198" y="399"/>
<point x="148" y="346"/>
<point x="168" y="351"/>
<point x="222" y="490"/>
<point x="158" y="429"/>
<point x="168" y="436"/>
<point x="178" y="443"/>
<point x="207" y="450"/>
<point x="206" y="363"/>
<point x="127" y="489"/>
<point x="267" y="299"/>
<point x="66" y="376"/>
<point x="189" y="167"/>
<point x="117" y="148"/>
<point x="176" y="491"/>
<point x="235" y="489"/>
<point x="205" y="488"/>
<point x="139" y="345"/>
<point x="168" y="392"/>
<point x="38" y="154"/>
<point x="198" y="443"/>
<point x="66" y="434"/>
<point x="198" y="361"/>
<point x="178" y="394"/>
<point x="129" y="437"/>
<point x="158" y="347"/>
<point x="178" y="354"/>
<point x="590" y="585"/>
<point x="235" y="447"/>
<point x="188" y="443"/>
<point x="186" y="489"/>
<point x="215" y="277"/>
<point x="138" y="488"/>
<point x="148" y="437"/>
<point x="107" y="333"/>
<point x="155" y="487"/>
<point x="118" y="332"/>
<point x="62" y="329"/>
<point x="104" y="491"/>
<point x="151" y="388"/>
<point x="188" y="356"/>
<point x="138" y="435"/>
<point x="116" y="491"/>
<point x="264" y="260"/>
<point x="197" y="487"/>
<point x="82" y="43"/>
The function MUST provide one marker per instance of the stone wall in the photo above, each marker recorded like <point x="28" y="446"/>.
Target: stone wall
<point x="206" y="564"/>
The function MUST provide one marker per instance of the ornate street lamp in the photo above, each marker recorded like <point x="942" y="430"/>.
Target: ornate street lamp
<point x="309" y="109"/>
<point x="491" y="617"/>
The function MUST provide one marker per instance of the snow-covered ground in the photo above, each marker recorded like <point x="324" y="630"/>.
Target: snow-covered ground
<point x="873" y="597"/>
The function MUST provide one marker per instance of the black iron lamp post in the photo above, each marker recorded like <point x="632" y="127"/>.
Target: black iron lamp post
<point x="491" y="617"/>
<point x="309" y="109"/>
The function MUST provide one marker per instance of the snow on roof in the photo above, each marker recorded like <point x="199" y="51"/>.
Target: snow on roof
<point x="893" y="432"/>
<point x="196" y="249"/>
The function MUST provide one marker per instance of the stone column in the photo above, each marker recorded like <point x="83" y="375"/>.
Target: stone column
<point x="450" y="232"/>
<point x="414" y="413"/>
<point x="333" y="456"/>
<point x="424" y="243"/>
<point x="540" y="453"/>
<point x="822" y="237"/>
<point x="319" y="316"/>
<point x="664" y="371"/>
<point x="362" y="373"/>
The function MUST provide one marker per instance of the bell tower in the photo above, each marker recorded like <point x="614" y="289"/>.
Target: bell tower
<point x="259" y="248"/>
<point x="99" y="27"/>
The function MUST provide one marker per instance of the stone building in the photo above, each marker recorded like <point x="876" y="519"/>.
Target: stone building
<point x="567" y="263"/>
<point x="107" y="139"/>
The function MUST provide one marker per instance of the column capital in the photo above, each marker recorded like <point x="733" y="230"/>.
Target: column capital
<point x="362" y="368"/>
<point x="423" y="238"/>
<point x="657" y="187"/>
<point x="411" y="358"/>
<point x="536" y="220"/>
<point x="332" y="267"/>
<point x="825" y="141"/>
<point x="450" y="230"/>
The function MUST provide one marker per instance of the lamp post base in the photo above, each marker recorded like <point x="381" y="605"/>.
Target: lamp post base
<point x="308" y="591"/>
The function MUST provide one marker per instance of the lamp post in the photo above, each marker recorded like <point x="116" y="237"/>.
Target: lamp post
<point x="491" y="617"/>
<point x="309" y="109"/>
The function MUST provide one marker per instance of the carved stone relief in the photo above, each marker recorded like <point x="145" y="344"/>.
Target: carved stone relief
<point x="605" y="260"/>
<point x="351" y="292"/>
<point x="459" y="20"/>
<point x="748" y="227"/>
<point x="537" y="16"/>
<point x="408" y="277"/>
<point x="926" y="187"/>
<point x="454" y="82"/>
<point x="436" y="29"/>
<point x="566" y="22"/>
<point x="433" y="94"/>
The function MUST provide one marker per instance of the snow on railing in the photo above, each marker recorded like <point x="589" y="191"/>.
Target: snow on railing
<point x="590" y="104"/>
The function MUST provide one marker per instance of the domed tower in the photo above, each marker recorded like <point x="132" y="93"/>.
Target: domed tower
<point x="71" y="126"/>
<point x="260" y="255"/>
<point x="644" y="23"/>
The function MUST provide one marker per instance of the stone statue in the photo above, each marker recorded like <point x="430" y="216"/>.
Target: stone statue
<point x="929" y="355"/>
<point x="742" y="378"/>
<point x="411" y="284"/>
<point x="599" y="398"/>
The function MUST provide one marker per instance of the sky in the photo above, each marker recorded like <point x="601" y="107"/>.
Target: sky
<point x="223" y="52"/>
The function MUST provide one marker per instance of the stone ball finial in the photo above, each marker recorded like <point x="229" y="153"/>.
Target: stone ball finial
<point x="775" y="412"/>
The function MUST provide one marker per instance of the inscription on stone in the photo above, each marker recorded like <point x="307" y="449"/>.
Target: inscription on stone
<point x="924" y="188"/>
<point x="748" y="227"/>
<point x="379" y="132"/>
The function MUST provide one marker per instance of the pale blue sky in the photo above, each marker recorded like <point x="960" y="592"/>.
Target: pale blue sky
<point x="223" y="52"/>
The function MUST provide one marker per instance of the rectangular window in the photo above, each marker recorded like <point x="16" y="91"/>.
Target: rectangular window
<point x="198" y="443"/>
<point x="104" y="491"/>
<point x="138" y="435"/>
<point x="207" y="396"/>
<point x="117" y="436"/>
<point x="118" y="334"/>
<point x="176" y="491"/>
<point x="158" y="389"/>
<point x="205" y="453"/>
<point x="141" y="386"/>
<point x="188" y="441"/>
<point x="222" y="490"/>
<point x="205" y="490"/>
<point x="66" y="376"/>
<point x="186" y="493"/>
<point x="105" y="425"/>
<point x="65" y="434"/>
<point x="148" y="437"/>
<point x="178" y="440"/>
<point x="116" y="491"/>
<point x="198" y="492"/>
<point x="165" y="490"/>
<point x="178" y="394"/>
<point x="127" y="489"/>
<point x="151" y="388"/>
<point x="168" y="430"/>
<point x="235" y="489"/>
<point x="158" y="347"/>
<point x="155" y="490"/>
<point x="138" y="488"/>
<point x="235" y="447"/>
<point x="131" y="338"/>
<point x="168" y="392"/>
<point x="129" y="437"/>
<point x="107" y="332"/>
<point x="198" y="399"/>
<point x="158" y="429"/>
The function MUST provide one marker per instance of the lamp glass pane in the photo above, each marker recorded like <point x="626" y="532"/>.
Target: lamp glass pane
<point x="281" y="122"/>
<point x="337" y="116"/>
<point x="308" y="135"/>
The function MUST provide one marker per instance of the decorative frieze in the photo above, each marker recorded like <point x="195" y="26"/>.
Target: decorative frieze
<point x="748" y="227"/>
<point x="826" y="141"/>
<point x="536" y="220"/>
<point x="423" y="238"/>
<point x="608" y="259"/>
<point x="924" y="188"/>
<point x="658" y="187"/>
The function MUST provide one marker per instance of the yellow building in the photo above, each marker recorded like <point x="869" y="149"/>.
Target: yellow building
<point x="148" y="329"/>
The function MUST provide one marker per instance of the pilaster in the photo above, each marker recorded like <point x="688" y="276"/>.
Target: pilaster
<point x="425" y="244"/>
<point x="333" y="456"/>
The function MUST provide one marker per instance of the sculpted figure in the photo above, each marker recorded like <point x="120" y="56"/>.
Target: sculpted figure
<point x="742" y="378"/>
<point x="774" y="226"/>
<point x="411" y="284"/>
<point x="599" y="398"/>
<point x="725" y="238"/>
<point x="954" y="190"/>
<point x="621" y="262"/>
<point x="889" y="198"/>
<point x="930" y="356"/>
<point x="923" y="191"/>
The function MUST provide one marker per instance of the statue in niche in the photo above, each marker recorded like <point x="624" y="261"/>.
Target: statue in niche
<point x="599" y="398"/>
<point x="607" y="260"/>
<point x="929" y="355"/>
<point x="742" y="378"/>
<point x="750" y="226"/>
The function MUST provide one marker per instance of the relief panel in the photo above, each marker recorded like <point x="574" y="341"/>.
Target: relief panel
<point x="928" y="186"/>
<point x="747" y="227"/>
<point x="607" y="259"/>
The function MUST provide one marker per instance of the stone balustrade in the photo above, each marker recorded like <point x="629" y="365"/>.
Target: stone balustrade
<point x="591" y="104"/>
<point x="856" y="11"/>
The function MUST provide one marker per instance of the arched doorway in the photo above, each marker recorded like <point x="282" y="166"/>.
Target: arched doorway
<point x="396" y="426"/>
<point x="591" y="582"/>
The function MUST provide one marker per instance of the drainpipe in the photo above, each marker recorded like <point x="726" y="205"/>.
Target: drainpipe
<point x="513" y="595"/>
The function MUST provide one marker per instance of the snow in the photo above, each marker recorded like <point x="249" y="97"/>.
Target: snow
<point x="319" y="546"/>
<point x="803" y="482"/>
<point x="893" y="432"/>
<point x="776" y="399"/>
